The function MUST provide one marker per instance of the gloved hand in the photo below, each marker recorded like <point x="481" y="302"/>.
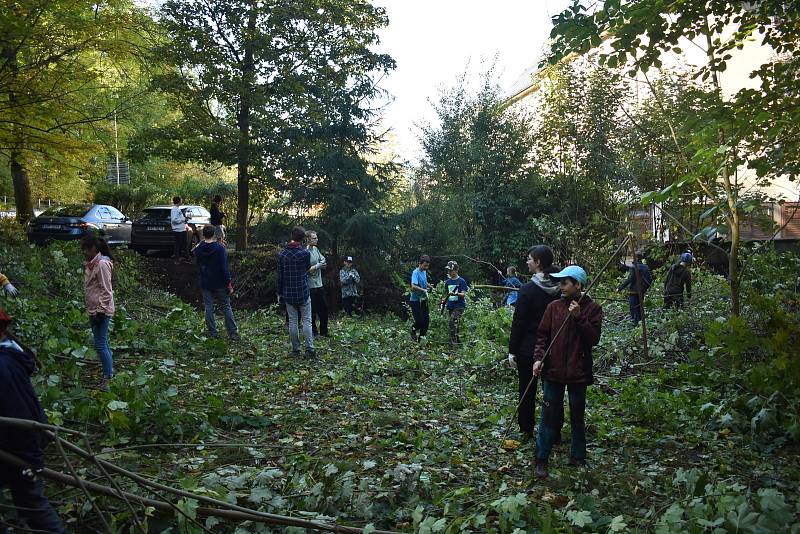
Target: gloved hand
<point x="10" y="290"/>
<point x="512" y="361"/>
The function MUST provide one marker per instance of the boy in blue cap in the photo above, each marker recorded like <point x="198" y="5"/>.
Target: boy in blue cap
<point x="568" y="364"/>
<point x="678" y="277"/>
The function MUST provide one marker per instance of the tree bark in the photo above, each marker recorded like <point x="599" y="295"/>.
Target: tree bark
<point x="243" y="121"/>
<point x="19" y="176"/>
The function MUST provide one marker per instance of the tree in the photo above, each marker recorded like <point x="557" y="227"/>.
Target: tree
<point x="244" y="71"/>
<point x="476" y="166"/>
<point x="54" y="85"/>
<point x="757" y="127"/>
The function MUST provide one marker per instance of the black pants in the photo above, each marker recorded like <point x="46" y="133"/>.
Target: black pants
<point x="673" y="301"/>
<point x="347" y="304"/>
<point x="28" y="496"/>
<point x="527" y="409"/>
<point x="422" y="317"/>
<point x="319" y="308"/>
<point x="180" y="248"/>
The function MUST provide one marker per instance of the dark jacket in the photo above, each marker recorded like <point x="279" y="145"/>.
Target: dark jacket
<point x="212" y="263"/>
<point x="632" y="281"/>
<point x="531" y="302"/>
<point x="678" y="277"/>
<point x="294" y="261"/>
<point x="570" y="358"/>
<point x="216" y="215"/>
<point x="18" y="400"/>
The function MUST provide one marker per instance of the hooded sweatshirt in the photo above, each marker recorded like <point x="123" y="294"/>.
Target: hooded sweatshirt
<point x="97" y="285"/>
<point x="19" y="401"/>
<point x="532" y="300"/>
<point x="570" y="358"/>
<point x="212" y="263"/>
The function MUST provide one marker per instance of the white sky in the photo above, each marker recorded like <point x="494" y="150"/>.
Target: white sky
<point x="433" y="42"/>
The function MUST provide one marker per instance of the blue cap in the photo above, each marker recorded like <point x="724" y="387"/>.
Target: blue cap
<point x="686" y="257"/>
<point x="573" y="271"/>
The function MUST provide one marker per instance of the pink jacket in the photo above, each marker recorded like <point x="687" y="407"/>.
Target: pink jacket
<point x="97" y="285"/>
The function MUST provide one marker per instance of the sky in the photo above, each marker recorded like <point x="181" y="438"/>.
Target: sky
<point x="435" y="41"/>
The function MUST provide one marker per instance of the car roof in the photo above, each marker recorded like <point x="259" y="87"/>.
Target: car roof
<point x="169" y="207"/>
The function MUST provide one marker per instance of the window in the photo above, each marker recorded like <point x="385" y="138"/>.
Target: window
<point x="115" y="213"/>
<point x="69" y="210"/>
<point x="104" y="214"/>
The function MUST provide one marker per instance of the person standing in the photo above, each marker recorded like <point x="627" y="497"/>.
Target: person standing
<point x="178" y="221"/>
<point x="512" y="281"/>
<point x="215" y="282"/>
<point x="455" y="288"/>
<point x="319" y="304"/>
<point x="419" y="298"/>
<point x="349" y="279"/>
<point x="7" y="287"/>
<point x="216" y="219"/>
<point x="294" y="261"/>
<point x="19" y="401"/>
<point x="678" y="277"/>
<point x="531" y="303"/>
<point x="99" y="295"/>
<point x="567" y="366"/>
<point x="637" y="285"/>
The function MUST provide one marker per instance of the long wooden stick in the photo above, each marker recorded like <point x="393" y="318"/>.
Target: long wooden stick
<point x="561" y="328"/>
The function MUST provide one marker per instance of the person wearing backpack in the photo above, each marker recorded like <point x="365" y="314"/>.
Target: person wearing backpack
<point x="635" y="291"/>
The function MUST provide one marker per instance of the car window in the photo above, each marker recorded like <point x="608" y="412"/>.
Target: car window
<point x="115" y="213"/>
<point x="204" y="212"/>
<point x="103" y="213"/>
<point x="155" y="214"/>
<point x="68" y="210"/>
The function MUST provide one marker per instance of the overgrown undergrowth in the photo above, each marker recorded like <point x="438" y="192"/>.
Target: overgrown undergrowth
<point x="698" y="435"/>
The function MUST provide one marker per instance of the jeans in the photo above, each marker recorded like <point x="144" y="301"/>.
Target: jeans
<point x="100" y="323"/>
<point x="553" y="415"/>
<point x="455" y="315"/>
<point x="221" y="295"/>
<point x="635" y="308"/>
<point x="422" y="318"/>
<point x="347" y="305"/>
<point x="181" y="247"/>
<point x="28" y="496"/>
<point x="300" y="310"/>
<point x="319" y="308"/>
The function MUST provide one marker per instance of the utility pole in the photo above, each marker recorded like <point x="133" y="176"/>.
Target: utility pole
<point x="116" y="146"/>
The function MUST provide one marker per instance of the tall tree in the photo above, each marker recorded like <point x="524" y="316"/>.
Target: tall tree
<point x="245" y="71"/>
<point x="53" y="82"/>
<point x="756" y="127"/>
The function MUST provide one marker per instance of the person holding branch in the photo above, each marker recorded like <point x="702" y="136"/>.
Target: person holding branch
<point x="570" y="327"/>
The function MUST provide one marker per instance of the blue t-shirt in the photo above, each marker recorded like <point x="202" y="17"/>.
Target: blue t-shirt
<point x="419" y="278"/>
<point x="454" y="286"/>
<point x="512" y="295"/>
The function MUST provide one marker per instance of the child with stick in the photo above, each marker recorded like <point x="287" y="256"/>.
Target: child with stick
<point x="456" y="289"/>
<point x="569" y="329"/>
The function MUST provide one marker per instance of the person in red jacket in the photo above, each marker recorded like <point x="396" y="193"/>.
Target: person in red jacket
<point x="567" y="366"/>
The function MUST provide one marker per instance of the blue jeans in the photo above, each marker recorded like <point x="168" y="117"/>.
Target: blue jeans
<point x="100" y="323"/>
<point x="294" y="311"/>
<point x="635" y="308"/>
<point x="553" y="415"/>
<point x="28" y="496"/>
<point x="221" y="294"/>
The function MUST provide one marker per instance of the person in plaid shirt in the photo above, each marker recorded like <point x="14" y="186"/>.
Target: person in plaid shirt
<point x="294" y="261"/>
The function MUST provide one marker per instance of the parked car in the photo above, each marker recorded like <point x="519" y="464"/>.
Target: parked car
<point x="152" y="229"/>
<point x="73" y="221"/>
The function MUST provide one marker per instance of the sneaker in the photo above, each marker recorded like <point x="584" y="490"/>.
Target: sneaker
<point x="413" y="336"/>
<point x="310" y="355"/>
<point x="541" y="469"/>
<point x="104" y="384"/>
<point x="234" y="337"/>
<point x="578" y="462"/>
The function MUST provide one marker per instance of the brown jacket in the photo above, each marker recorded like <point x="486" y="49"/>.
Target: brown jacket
<point x="570" y="359"/>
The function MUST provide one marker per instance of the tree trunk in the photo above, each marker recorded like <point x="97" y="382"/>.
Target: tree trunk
<point x="22" y="189"/>
<point x="243" y="120"/>
<point x="19" y="176"/>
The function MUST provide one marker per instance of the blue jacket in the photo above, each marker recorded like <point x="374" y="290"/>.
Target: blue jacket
<point x="18" y="400"/>
<point x="631" y="281"/>
<point x="212" y="262"/>
<point x="294" y="261"/>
